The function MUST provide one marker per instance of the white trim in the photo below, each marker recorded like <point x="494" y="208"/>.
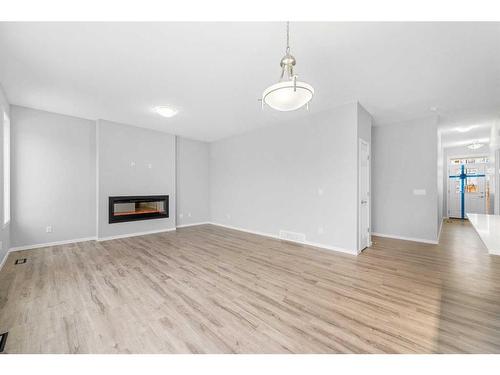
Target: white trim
<point x="85" y="239"/>
<point x="193" y="224"/>
<point x="97" y="156"/>
<point x="174" y="217"/>
<point x="4" y="260"/>
<point x="423" y="240"/>
<point x="315" y="244"/>
<point x="496" y="181"/>
<point x="135" y="234"/>
<point x="440" y="230"/>
<point x="47" y="244"/>
<point x="360" y="142"/>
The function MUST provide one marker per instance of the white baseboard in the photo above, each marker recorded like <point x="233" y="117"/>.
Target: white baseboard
<point x="193" y="224"/>
<point x="100" y="239"/>
<point x="327" y="247"/>
<point x="41" y="245"/>
<point x="85" y="239"/>
<point x="423" y="240"/>
<point x="47" y="244"/>
<point x="4" y="260"/>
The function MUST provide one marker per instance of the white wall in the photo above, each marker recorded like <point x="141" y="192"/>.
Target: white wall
<point x="53" y="177"/>
<point x="404" y="158"/>
<point x="299" y="176"/>
<point x="192" y="169"/>
<point x="4" y="230"/>
<point x="57" y="172"/>
<point x="134" y="161"/>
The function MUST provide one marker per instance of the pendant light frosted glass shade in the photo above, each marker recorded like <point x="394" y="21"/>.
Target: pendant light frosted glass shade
<point x="288" y="95"/>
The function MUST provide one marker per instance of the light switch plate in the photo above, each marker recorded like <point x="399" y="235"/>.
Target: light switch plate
<point x="419" y="192"/>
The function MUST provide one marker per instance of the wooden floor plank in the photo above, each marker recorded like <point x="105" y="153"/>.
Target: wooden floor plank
<point x="209" y="289"/>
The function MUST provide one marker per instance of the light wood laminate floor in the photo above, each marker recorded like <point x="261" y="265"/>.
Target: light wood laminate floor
<point x="208" y="289"/>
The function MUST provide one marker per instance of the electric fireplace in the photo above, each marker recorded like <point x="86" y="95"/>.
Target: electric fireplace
<point x="137" y="207"/>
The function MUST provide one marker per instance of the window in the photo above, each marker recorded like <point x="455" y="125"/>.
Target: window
<point x="6" y="169"/>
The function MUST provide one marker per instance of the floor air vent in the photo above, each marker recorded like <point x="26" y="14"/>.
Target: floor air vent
<point x="3" y="340"/>
<point x="292" y="236"/>
<point x="20" y="261"/>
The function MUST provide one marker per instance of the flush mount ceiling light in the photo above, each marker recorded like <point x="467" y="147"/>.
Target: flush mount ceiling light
<point x="288" y="94"/>
<point x="474" y="145"/>
<point x="465" y="130"/>
<point x="166" y="111"/>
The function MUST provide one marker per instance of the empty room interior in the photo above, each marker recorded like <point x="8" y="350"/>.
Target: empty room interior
<point x="249" y="187"/>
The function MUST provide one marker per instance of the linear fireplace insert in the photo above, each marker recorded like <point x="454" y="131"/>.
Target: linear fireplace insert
<point x="137" y="207"/>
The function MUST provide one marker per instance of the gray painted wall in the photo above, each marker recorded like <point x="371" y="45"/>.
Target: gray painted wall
<point x="4" y="230"/>
<point x="134" y="161"/>
<point x="193" y="188"/>
<point x="404" y="158"/>
<point x="53" y="177"/>
<point x="299" y="176"/>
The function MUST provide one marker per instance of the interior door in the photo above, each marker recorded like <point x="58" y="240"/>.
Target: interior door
<point x="454" y="192"/>
<point x="364" y="195"/>
<point x="475" y="190"/>
<point x="473" y="185"/>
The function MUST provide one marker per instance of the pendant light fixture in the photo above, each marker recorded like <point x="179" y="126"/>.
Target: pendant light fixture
<point x="288" y="94"/>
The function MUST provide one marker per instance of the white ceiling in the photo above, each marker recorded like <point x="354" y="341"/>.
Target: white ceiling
<point x="478" y="133"/>
<point x="215" y="72"/>
<point x="464" y="127"/>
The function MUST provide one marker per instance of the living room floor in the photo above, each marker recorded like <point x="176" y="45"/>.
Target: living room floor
<point x="208" y="289"/>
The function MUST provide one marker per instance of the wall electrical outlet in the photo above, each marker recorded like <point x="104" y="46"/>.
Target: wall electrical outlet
<point x="189" y="214"/>
<point x="48" y="229"/>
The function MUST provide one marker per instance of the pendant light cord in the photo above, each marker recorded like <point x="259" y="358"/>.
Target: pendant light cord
<point x="287" y="37"/>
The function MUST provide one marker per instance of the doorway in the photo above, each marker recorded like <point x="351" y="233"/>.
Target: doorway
<point x="468" y="186"/>
<point x="364" y="195"/>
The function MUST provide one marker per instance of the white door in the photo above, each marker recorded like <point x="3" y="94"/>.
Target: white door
<point x="475" y="190"/>
<point x="364" y="195"/>
<point x="474" y="187"/>
<point x="454" y="191"/>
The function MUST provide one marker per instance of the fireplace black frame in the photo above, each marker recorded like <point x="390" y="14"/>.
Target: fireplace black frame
<point x="137" y="199"/>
